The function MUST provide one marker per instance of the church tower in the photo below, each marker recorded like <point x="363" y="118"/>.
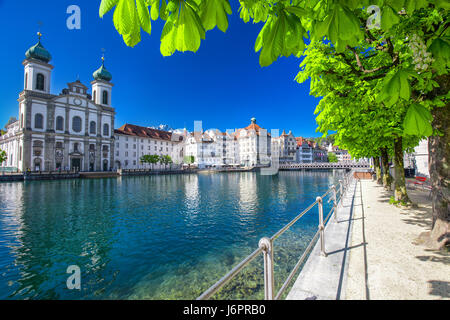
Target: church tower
<point x="37" y="68"/>
<point x="101" y="86"/>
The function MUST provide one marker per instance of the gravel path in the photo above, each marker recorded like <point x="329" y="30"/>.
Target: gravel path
<point x="387" y="260"/>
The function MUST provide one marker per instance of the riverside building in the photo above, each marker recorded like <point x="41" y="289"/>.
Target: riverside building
<point x="70" y="130"/>
<point x="132" y="142"/>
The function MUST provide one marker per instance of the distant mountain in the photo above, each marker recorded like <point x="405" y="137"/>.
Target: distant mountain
<point x="163" y="127"/>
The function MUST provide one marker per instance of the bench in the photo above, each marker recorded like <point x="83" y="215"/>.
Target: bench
<point x="422" y="181"/>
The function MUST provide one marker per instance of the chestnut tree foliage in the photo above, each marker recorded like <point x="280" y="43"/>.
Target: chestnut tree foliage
<point x="380" y="66"/>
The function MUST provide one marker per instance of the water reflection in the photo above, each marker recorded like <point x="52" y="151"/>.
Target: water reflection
<point x="156" y="237"/>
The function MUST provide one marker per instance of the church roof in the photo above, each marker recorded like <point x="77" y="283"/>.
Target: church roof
<point x="102" y="74"/>
<point x="38" y="52"/>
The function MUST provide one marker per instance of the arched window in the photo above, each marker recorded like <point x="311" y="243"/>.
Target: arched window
<point x="95" y="96"/>
<point x="105" y="97"/>
<point x="92" y="127"/>
<point x="26" y="80"/>
<point x="76" y="124"/>
<point x="106" y="129"/>
<point x="40" y="81"/>
<point x="39" y="121"/>
<point x="59" y="123"/>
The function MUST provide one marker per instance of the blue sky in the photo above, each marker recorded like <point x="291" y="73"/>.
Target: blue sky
<point x="222" y="84"/>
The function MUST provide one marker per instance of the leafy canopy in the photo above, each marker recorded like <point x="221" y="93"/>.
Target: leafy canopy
<point x="332" y="157"/>
<point x="395" y="64"/>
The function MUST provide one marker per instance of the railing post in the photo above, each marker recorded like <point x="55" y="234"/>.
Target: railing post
<point x="334" y="202"/>
<point x="267" y="246"/>
<point x="321" y="227"/>
<point x="341" y="190"/>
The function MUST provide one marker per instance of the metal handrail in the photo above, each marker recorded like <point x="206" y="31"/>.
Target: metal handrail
<point x="230" y="275"/>
<point x="265" y="246"/>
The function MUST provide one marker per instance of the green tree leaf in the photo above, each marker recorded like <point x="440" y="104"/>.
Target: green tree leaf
<point x="389" y="18"/>
<point x="440" y="48"/>
<point x="105" y="6"/>
<point x="183" y="30"/>
<point x="395" y="86"/>
<point x="417" y="121"/>
<point x="125" y="16"/>
<point x="214" y="13"/>
<point x="280" y="36"/>
<point x="144" y="16"/>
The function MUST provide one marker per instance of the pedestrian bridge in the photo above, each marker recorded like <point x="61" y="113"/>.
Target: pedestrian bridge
<point x="324" y="165"/>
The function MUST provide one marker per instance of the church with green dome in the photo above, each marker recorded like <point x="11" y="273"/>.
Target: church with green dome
<point x="72" y="130"/>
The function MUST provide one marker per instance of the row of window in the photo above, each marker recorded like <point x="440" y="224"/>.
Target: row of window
<point x="142" y="141"/>
<point x="142" y="147"/>
<point x="76" y="124"/>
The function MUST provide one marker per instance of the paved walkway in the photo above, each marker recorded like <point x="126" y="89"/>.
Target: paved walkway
<point x="387" y="260"/>
<point x="375" y="252"/>
<point x="325" y="277"/>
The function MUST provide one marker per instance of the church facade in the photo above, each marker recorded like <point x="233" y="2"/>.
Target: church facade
<point x="70" y="131"/>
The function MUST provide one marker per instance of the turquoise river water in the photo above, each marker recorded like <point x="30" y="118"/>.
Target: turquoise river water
<point x="152" y="237"/>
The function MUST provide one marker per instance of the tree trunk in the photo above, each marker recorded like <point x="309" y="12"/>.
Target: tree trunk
<point x="439" y="161"/>
<point x="387" y="178"/>
<point x="376" y="164"/>
<point x="400" y="187"/>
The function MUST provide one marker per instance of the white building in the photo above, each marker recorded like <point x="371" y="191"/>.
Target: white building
<point x="254" y="145"/>
<point x="249" y="146"/>
<point x="418" y="159"/>
<point x="71" y="130"/>
<point x="202" y="148"/>
<point x="226" y="147"/>
<point x="9" y="143"/>
<point x="132" y="142"/>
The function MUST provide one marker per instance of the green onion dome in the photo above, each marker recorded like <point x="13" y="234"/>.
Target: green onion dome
<point x="102" y="74"/>
<point x="38" y="52"/>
